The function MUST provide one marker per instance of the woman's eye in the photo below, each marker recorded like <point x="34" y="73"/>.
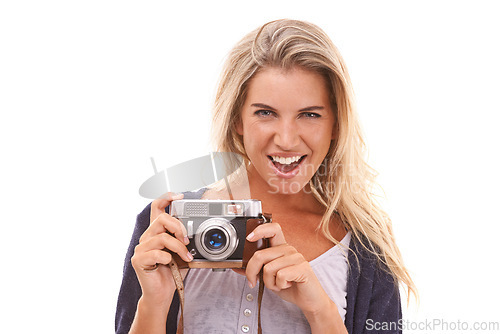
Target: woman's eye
<point x="311" y="115"/>
<point x="263" y="113"/>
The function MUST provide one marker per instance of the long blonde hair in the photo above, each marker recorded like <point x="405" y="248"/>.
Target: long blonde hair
<point x="344" y="182"/>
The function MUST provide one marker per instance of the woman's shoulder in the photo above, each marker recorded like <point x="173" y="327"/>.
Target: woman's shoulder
<point x="372" y="291"/>
<point x="145" y="214"/>
<point x="361" y="248"/>
<point x="367" y="266"/>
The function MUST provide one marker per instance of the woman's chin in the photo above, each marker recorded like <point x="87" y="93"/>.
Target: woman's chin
<point x="275" y="184"/>
<point x="285" y="187"/>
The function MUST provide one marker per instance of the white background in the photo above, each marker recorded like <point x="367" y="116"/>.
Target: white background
<point x="90" y="90"/>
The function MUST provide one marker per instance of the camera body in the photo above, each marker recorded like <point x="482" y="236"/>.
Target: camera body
<point x="217" y="231"/>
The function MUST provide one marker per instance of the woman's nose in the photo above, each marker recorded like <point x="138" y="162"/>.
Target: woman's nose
<point x="287" y="135"/>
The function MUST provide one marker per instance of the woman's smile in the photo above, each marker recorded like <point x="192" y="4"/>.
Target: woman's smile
<point x="287" y="126"/>
<point x="285" y="165"/>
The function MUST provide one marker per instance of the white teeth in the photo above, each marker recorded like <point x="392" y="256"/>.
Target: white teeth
<point x="285" y="161"/>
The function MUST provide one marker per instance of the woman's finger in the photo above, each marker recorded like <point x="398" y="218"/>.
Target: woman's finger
<point x="164" y="241"/>
<point x="264" y="256"/>
<point x="166" y="223"/>
<point x="280" y="273"/>
<point x="147" y="260"/>
<point x="158" y="205"/>
<point x="271" y="231"/>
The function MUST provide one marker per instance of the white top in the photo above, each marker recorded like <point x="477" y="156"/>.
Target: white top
<point x="222" y="302"/>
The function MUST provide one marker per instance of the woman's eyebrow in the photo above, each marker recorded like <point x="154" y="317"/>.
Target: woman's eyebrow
<point x="312" y="108"/>
<point x="262" y="105"/>
<point x="265" y="106"/>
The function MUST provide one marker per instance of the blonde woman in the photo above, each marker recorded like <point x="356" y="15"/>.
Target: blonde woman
<point x="285" y="104"/>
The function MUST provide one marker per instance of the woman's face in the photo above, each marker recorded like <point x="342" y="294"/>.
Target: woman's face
<point x="287" y="126"/>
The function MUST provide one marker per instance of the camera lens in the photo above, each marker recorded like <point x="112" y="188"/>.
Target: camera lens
<point x="215" y="239"/>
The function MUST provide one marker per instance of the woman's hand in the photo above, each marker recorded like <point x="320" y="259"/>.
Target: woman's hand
<point x="290" y="276"/>
<point x="151" y="258"/>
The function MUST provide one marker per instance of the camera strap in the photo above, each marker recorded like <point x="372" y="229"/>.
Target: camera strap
<point x="180" y="290"/>
<point x="174" y="267"/>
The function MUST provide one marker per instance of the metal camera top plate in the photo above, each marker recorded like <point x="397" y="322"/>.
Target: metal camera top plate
<point x="215" y="208"/>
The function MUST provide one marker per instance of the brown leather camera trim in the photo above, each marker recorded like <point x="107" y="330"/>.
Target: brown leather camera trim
<point x="206" y="264"/>
<point x="216" y="265"/>
<point x="251" y="247"/>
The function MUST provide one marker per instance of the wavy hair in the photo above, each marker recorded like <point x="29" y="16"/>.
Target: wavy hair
<point x="344" y="182"/>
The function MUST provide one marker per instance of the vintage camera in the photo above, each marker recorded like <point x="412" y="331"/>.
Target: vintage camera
<point x="217" y="231"/>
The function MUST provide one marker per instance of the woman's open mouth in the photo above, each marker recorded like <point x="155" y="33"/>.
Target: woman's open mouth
<point x="286" y="166"/>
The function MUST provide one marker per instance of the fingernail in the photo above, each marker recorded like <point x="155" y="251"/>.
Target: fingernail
<point x="250" y="236"/>
<point x="186" y="240"/>
<point x="189" y="256"/>
<point x="250" y="285"/>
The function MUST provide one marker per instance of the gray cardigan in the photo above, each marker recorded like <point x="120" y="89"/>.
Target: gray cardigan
<point x="372" y="294"/>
